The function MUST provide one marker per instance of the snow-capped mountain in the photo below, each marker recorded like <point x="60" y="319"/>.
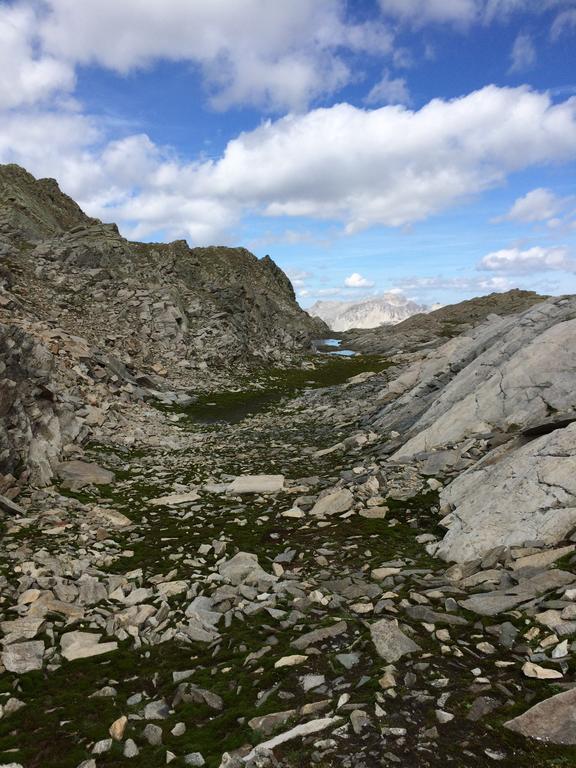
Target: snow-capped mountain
<point x="387" y="309"/>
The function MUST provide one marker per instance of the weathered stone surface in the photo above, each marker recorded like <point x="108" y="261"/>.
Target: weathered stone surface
<point x="175" y="499"/>
<point x="390" y="642"/>
<point x="491" y="604"/>
<point x="507" y="372"/>
<point x="256" y="484"/>
<point x="82" y="645"/>
<point x="528" y="494"/>
<point x="333" y="504"/>
<point x="23" y="657"/>
<point x="9" y="506"/>
<point x="552" y="720"/>
<point x="77" y="474"/>
<point x="318" y="635"/>
<point x="304" y="729"/>
<point x="266" y="724"/>
<point x="244" y="568"/>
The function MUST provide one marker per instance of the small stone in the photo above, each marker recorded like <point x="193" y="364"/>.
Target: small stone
<point x="195" y="759"/>
<point x="102" y="746"/>
<point x="118" y="727"/>
<point x="290" y="661"/>
<point x="541" y="673"/>
<point x="153" y="734"/>
<point x="390" y="642"/>
<point x="130" y="748"/>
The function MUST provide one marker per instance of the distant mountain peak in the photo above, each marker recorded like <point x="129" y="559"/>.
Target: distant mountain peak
<point x="385" y="309"/>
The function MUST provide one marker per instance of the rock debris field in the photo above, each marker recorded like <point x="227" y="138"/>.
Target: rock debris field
<point x="260" y="594"/>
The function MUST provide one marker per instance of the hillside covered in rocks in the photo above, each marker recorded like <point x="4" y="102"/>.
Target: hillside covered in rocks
<point x="256" y="555"/>
<point x="89" y="320"/>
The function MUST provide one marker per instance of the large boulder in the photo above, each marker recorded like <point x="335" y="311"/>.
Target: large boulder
<point x="552" y="720"/>
<point x="512" y="497"/>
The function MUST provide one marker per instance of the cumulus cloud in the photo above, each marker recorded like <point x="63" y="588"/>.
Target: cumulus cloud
<point x="27" y="76"/>
<point x="286" y="58"/>
<point x="389" y="166"/>
<point x="515" y="261"/>
<point x="523" y="54"/>
<point x="356" y="280"/>
<point x="537" y="205"/>
<point x="389" y="90"/>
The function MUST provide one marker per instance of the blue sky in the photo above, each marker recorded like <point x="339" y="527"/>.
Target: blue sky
<point x="421" y="146"/>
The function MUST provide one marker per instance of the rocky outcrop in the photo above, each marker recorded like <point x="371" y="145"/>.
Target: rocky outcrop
<point x="182" y="310"/>
<point x="508" y="374"/>
<point x="527" y="494"/>
<point x="508" y="381"/>
<point x="89" y="316"/>
<point x="35" y="423"/>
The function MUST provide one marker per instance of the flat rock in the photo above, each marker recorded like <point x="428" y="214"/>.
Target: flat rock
<point x="256" y="484"/>
<point x="318" y="635"/>
<point x="110" y="517"/>
<point x="244" y="568"/>
<point x="76" y="474"/>
<point x="175" y="499"/>
<point x="390" y="642"/>
<point x="491" y="604"/>
<point x="82" y="645"/>
<point x="266" y="724"/>
<point x="552" y="720"/>
<point x="333" y="504"/>
<point x="10" y="507"/>
<point x="542" y="559"/>
<point x="527" y="494"/>
<point x="299" y="731"/>
<point x="23" y="657"/>
<point x="540" y="673"/>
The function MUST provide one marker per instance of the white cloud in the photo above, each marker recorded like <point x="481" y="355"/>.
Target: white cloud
<point x="424" y="11"/>
<point x="390" y="166"/>
<point x="523" y="53"/>
<point x="27" y="76"/>
<point x="273" y="54"/>
<point x="564" y="23"/>
<point x="356" y="280"/>
<point x="473" y="285"/>
<point x="537" y="205"/>
<point x="389" y="91"/>
<point x="537" y="259"/>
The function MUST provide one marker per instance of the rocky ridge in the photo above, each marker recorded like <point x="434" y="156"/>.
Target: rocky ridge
<point x="424" y="331"/>
<point x="103" y="320"/>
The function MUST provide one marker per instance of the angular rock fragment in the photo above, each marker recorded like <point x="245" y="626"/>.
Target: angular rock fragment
<point x="390" y="642"/>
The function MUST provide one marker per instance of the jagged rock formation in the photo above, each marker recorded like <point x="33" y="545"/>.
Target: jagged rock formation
<point x="422" y="331"/>
<point x="510" y="376"/>
<point x="139" y="318"/>
<point x="388" y="309"/>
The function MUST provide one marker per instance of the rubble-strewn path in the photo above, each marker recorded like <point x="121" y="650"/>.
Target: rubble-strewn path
<point x="173" y="616"/>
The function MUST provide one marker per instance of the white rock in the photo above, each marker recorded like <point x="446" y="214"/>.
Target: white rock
<point x="334" y="503"/>
<point x="256" y="484"/>
<point x="82" y="645"/>
<point x="290" y="661"/>
<point x="304" y="729"/>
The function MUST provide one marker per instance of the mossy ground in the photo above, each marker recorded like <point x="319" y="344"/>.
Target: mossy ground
<point x="61" y="721"/>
